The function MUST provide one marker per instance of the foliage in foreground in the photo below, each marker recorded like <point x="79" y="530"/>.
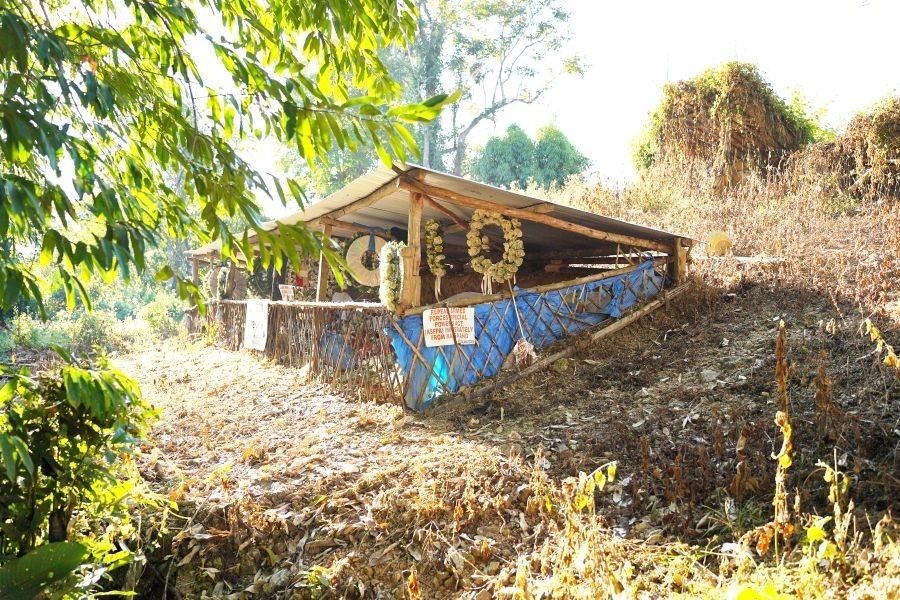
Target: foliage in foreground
<point x="66" y="440"/>
<point x="113" y="138"/>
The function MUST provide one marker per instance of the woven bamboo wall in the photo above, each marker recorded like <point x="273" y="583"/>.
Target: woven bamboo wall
<point x="343" y="347"/>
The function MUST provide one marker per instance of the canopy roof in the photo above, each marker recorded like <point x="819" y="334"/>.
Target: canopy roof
<point x="379" y="200"/>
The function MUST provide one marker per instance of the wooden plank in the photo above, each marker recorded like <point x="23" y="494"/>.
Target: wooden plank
<point x="379" y="194"/>
<point x="463" y="225"/>
<point x="324" y="268"/>
<point x="351" y="227"/>
<point x="541" y="288"/>
<point x="528" y="215"/>
<point x="575" y="346"/>
<point x="411" y="291"/>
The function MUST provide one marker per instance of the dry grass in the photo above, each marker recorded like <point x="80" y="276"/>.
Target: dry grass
<point x="797" y="236"/>
<point x="286" y="491"/>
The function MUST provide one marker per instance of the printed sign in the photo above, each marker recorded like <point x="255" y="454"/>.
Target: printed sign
<point x="256" y="325"/>
<point x="448" y="326"/>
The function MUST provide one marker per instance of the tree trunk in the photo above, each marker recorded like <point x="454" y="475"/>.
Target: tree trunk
<point x="459" y="154"/>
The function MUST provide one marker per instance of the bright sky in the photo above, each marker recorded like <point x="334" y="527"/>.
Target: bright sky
<point x="841" y="55"/>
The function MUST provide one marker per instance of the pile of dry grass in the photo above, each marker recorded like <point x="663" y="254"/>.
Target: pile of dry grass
<point x="727" y="117"/>
<point x="863" y="163"/>
<point x="790" y="233"/>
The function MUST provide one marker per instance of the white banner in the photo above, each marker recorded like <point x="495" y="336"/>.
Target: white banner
<point x="448" y="326"/>
<point x="256" y="325"/>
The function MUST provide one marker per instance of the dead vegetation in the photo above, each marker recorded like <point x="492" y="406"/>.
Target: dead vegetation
<point x="287" y="491"/>
<point x="727" y="117"/>
<point x="702" y="452"/>
<point x="862" y="163"/>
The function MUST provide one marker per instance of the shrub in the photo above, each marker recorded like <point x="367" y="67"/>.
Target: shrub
<point x="163" y="315"/>
<point x="66" y="439"/>
<point x="24" y="331"/>
<point x="93" y="331"/>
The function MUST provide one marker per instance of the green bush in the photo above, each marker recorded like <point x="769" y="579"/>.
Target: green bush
<point x="93" y="331"/>
<point x="29" y="333"/>
<point x="66" y="440"/>
<point x="163" y="315"/>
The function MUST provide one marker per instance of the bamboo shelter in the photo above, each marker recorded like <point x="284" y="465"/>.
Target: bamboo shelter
<point x="472" y="280"/>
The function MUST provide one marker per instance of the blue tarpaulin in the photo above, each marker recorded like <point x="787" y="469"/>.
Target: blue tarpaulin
<point x="546" y="318"/>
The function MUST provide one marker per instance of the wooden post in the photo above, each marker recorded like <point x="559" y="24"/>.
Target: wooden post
<point x="195" y="270"/>
<point x="318" y="315"/>
<point x="411" y="293"/>
<point x="679" y="265"/>
<point x="322" y="281"/>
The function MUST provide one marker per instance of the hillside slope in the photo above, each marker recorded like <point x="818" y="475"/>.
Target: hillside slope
<point x="288" y="491"/>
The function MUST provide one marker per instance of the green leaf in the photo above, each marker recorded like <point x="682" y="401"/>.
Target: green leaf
<point x="24" y="454"/>
<point x="164" y="274"/>
<point x="9" y="457"/>
<point x="25" y="577"/>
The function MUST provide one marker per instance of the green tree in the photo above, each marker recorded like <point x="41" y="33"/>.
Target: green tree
<point x="102" y="102"/>
<point x="497" y="53"/>
<point x="506" y="160"/>
<point x="515" y="159"/>
<point x="114" y="138"/>
<point x="501" y="53"/>
<point x="556" y="158"/>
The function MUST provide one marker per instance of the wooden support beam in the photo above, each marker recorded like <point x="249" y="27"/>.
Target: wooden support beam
<point x="195" y="270"/>
<point x="324" y="268"/>
<point x="463" y="225"/>
<point x="527" y="215"/>
<point x="351" y="227"/>
<point x="379" y="194"/>
<point x="541" y="207"/>
<point x="411" y="292"/>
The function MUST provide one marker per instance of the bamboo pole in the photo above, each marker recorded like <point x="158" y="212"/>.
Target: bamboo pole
<point x="547" y="287"/>
<point x="535" y="217"/>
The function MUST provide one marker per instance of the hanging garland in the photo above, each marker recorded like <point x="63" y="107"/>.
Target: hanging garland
<point x="479" y="248"/>
<point x="391" y="274"/>
<point x="434" y="252"/>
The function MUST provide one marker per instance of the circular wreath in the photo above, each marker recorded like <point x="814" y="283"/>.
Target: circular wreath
<point x="362" y="257"/>
<point x="391" y="274"/>
<point x="479" y="247"/>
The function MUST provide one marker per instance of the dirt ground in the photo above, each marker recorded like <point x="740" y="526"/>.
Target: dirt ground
<point x="285" y="490"/>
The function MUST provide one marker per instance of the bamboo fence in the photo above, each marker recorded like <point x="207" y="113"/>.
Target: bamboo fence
<point x="341" y="345"/>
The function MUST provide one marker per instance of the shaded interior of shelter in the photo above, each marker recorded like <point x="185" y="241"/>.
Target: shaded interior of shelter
<point x="553" y="255"/>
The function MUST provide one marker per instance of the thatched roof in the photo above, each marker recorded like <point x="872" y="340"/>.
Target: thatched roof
<point x="725" y="115"/>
